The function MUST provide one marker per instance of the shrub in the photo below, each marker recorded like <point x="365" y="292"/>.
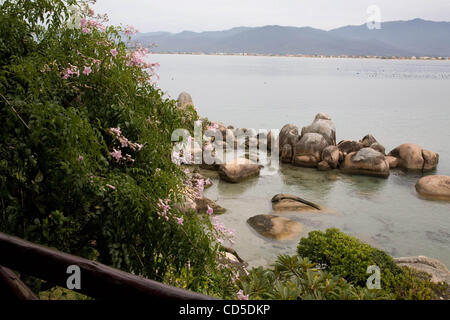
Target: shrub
<point x="294" y="278"/>
<point x="349" y="257"/>
<point x="85" y="148"/>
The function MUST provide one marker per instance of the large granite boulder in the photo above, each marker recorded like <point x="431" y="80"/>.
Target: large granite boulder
<point x="288" y="136"/>
<point x="332" y="156"/>
<point x="289" y="202"/>
<point x="308" y="150"/>
<point x="349" y="146"/>
<point x="368" y="140"/>
<point x="286" y="153"/>
<point x="275" y="227"/>
<point x="413" y="157"/>
<point x="323" y="125"/>
<point x="184" y="100"/>
<point x="239" y="170"/>
<point x="435" y="268"/>
<point x="366" y="162"/>
<point x="378" y="147"/>
<point x="434" y="187"/>
<point x="393" y="162"/>
<point x="431" y="160"/>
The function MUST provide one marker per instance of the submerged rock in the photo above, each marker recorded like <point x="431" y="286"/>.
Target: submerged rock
<point x="239" y="170"/>
<point x="413" y="157"/>
<point x="366" y="162"/>
<point x="289" y="202"/>
<point x="435" y="268"/>
<point x="434" y="187"/>
<point x="275" y="227"/>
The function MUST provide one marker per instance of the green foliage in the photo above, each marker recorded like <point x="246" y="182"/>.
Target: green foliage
<point x="296" y="278"/>
<point x="349" y="257"/>
<point x="59" y="182"/>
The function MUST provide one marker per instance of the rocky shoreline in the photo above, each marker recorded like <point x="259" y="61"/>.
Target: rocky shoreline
<point x="314" y="146"/>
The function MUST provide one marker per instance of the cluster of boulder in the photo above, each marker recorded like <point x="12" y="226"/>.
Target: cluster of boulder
<point x="236" y="169"/>
<point x="316" y="147"/>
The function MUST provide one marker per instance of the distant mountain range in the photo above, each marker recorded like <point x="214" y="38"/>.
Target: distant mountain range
<point x="397" y="38"/>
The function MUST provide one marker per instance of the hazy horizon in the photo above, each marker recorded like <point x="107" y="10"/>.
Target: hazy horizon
<point x="281" y="25"/>
<point x="202" y="15"/>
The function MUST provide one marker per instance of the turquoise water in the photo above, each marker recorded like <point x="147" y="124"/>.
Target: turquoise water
<point x="396" y="101"/>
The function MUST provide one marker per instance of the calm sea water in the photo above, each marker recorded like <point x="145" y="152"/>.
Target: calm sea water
<point x="396" y="101"/>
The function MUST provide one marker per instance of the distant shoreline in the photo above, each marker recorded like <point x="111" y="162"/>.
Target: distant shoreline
<point x="305" y="56"/>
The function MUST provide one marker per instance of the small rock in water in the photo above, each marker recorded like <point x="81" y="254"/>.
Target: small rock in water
<point x="434" y="187"/>
<point x="275" y="227"/>
<point x="413" y="157"/>
<point x="289" y="202"/>
<point x="239" y="170"/>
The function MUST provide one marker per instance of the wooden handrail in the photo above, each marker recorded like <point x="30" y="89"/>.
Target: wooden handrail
<point x="97" y="280"/>
<point x="11" y="287"/>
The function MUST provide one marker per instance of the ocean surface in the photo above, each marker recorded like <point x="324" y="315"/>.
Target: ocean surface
<point x="397" y="101"/>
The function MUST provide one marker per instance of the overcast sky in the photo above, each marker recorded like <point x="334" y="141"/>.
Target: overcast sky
<point x="205" y="15"/>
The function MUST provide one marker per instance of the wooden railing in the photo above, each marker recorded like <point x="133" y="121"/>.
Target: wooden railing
<point x="97" y="280"/>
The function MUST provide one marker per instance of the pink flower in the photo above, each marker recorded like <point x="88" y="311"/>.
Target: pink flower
<point x="111" y="187"/>
<point x="241" y="296"/>
<point x="87" y="70"/>
<point x="130" y="30"/>
<point x="85" y="30"/>
<point x="80" y="158"/>
<point x="164" y="206"/>
<point x="68" y="72"/>
<point x="180" y="221"/>
<point x="210" y="210"/>
<point x="188" y="265"/>
<point x="116" y="154"/>
<point x="116" y="131"/>
<point x="123" y="141"/>
<point x="114" y="52"/>
<point x="83" y="22"/>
